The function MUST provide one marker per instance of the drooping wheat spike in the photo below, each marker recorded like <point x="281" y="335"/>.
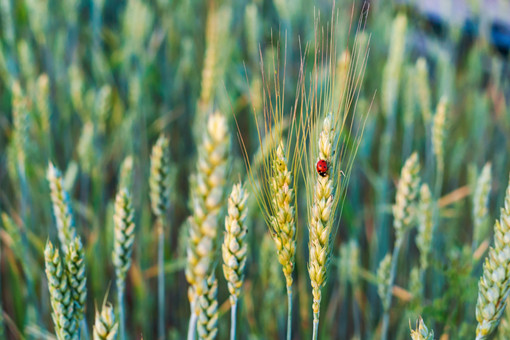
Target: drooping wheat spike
<point x="235" y="247"/>
<point x="407" y="189"/>
<point x="423" y="88"/>
<point x="282" y="220"/>
<point x="425" y="225"/>
<point x="383" y="278"/>
<point x="76" y="275"/>
<point x="159" y="180"/>
<point x="61" y="298"/>
<point x="122" y="247"/>
<point x="403" y="215"/>
<point x="207" y="303"/>
<point x="422" y="332"/>
<point x="105" y="327"/>
<point x="480" y="205"/>
<point x="159" y="183"/>
<point x="494" y="285"/>
<point x="61" y="207"/>
<point x="207" y="191"/>
<point x="438" y="137"/>
<point x="391" y="73"/>
<point x="320" y="220"/>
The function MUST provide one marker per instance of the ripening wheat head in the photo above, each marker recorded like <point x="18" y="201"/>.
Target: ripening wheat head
<point x="61" y="207"/>
<point x="62" y="302"/>
<point x="334" y="136"/>
<point x="105" y="327"/>
<point x="234" y="246"/>
<point x="494" y="284"/>
<point x="124" y="236"/>
<point x="159" y="180"/>
<point x="207" y="191"/>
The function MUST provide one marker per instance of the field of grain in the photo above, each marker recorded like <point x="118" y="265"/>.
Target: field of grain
<point x="258" y="169"/>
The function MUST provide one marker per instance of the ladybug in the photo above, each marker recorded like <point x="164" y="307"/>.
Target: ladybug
<point x="322" y="167"/>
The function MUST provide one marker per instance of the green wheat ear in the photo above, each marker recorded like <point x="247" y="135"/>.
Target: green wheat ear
<point x="207" y="303"/>
<point x="422" y="332"/>
<point x="494" y="285"/>
<point x="105" y="327"/>
<point x="124" y="236"/>
<point x="61" y="296"/>
<point x="75" y="271"/>
<point x="61" y="207"/>
<point x="159" y="180"/>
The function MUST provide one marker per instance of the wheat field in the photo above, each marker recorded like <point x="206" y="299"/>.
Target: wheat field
<point x="259" y="169"/>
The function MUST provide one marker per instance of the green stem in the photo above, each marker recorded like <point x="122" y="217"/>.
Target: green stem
<point x="386" y="315"/>
<point x="122" y="321"/>
<point x="161" y="282"/>
<point x="233" y="319"/>
<point x="289" y="313"/>
<point x="315" y="326"/>
<point x="84" y="328"/>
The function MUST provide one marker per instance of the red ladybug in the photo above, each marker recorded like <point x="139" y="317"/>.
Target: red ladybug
<point x="322" y="167"/>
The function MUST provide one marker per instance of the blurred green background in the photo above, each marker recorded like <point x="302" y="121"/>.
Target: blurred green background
<point x="85" y="83"/>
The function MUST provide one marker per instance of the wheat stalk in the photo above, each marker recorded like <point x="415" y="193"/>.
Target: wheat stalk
<point x="235" y="247"/>
<point x="494" y="285"/>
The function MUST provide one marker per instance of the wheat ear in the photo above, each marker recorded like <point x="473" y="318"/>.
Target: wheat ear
<point x="320" y="223"/>
<point x="159" y="183"/>
<point x="75" y="271"/>
<point x="122" y="247"/>
<point x="403" y="216"/>
<point x="235" y="247"/>
<point x="282" y="221"/>
<point x="207" y="303"/>
<point x="61" y="207"/>
<point x="61" y="296"/>
<point x="480" y="205"/>
<point x="105" y="327"/>
<point x="422" y="332"/>
<point x="207" y="190"/>
<point x="494" y="285"/>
